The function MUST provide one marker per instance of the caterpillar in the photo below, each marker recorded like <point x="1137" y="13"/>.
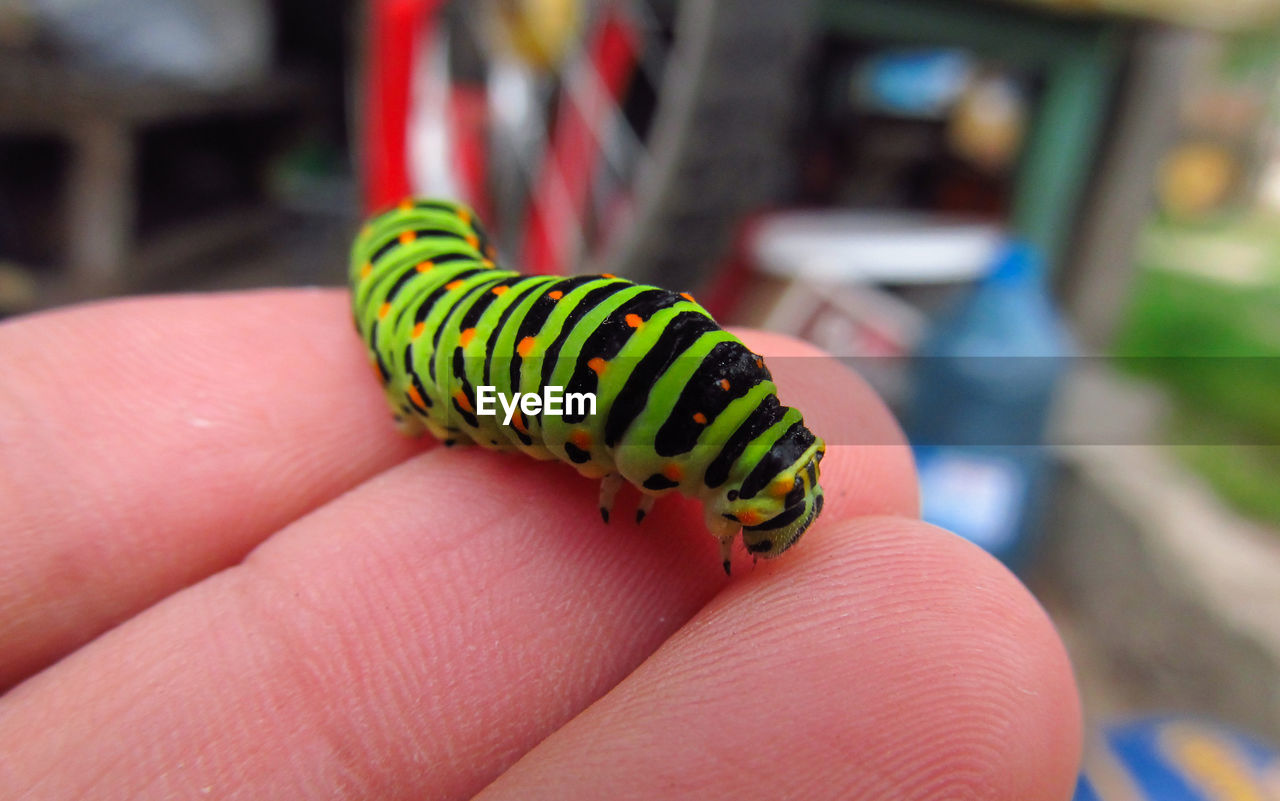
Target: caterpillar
<point x="681" y="405"/>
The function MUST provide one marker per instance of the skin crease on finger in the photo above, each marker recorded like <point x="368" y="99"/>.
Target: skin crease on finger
<point x="345" y="656"/>
<point x="306" y="670"/>
<point x="126" y="427"/>
<point x="398" y="627"/>
<point x="114" y="502"/>
<point x="889" y="661"/>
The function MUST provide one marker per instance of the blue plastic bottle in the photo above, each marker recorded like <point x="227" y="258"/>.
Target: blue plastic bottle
<point x="983" y="381"/>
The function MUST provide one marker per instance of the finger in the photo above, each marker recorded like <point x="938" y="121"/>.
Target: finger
<point x="898" y="663"/>
<point x="149" y="443"/>
<point x="840" y="407"/>
<point x="410" y="639"/>
<point x="119" y="493"/>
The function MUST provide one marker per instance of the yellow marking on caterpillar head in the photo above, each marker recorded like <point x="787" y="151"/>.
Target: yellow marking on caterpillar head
<point x="781" y="485"/>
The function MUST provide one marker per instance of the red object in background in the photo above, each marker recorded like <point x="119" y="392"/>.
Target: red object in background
<point x="396" y="27"/>
<point x="401" y="32"/>
<point x="564" y="184"/>
<point x="728" y="286"/>
<point x="468" y="125"/>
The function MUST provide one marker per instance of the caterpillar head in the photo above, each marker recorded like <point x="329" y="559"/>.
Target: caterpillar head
<point x="773" y="518"/>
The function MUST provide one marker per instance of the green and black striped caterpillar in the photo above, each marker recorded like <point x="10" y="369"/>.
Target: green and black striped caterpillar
<point x="681" y="404"/>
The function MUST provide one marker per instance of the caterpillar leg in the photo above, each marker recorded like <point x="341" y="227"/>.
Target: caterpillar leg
<point x="726" y="531"/>
<point x="408" y="425"/>
<point x="448" y="436"/>
<point x="609" y="486"/>
<point x="646" y="505"/>
<point x="726" y="548"/>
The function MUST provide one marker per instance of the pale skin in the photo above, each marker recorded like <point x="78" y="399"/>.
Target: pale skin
<point x="224" y="574"/>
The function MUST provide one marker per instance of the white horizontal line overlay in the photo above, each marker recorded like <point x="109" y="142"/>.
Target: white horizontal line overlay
<point x="552" y="400"/>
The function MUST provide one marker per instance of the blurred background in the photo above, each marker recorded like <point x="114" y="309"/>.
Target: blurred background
<point x="1047" y="231"/>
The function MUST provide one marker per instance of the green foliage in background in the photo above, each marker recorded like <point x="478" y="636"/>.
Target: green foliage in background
<point x="1204" y="321"/>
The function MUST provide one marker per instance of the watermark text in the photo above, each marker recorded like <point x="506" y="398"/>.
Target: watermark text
<point x="553" y="401"/>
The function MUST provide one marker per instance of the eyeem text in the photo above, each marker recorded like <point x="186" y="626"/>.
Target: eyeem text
<point x="553" y="400"/>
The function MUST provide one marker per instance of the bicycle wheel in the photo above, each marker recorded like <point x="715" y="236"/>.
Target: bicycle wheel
<point x="620" y="136"/>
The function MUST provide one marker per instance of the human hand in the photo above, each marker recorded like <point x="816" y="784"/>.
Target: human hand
<point x="223" y="574"/>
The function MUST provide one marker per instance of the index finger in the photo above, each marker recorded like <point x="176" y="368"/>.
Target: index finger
<point x="410" y="639"/>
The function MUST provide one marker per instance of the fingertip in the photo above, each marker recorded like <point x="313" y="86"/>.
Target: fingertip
<point x="892" y="660"/>
<point x="954" y="656"/>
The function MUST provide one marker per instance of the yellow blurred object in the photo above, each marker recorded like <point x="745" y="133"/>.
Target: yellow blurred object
<point x="1196" y="178"/>
<point x="987" y="124"/>
<point x="539" y="31"/>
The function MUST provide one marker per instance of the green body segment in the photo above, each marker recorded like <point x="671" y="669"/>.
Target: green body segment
<point x="680" y="404"/>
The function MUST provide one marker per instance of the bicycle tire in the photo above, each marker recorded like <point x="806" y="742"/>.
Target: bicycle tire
<point x="717" y="138"/>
